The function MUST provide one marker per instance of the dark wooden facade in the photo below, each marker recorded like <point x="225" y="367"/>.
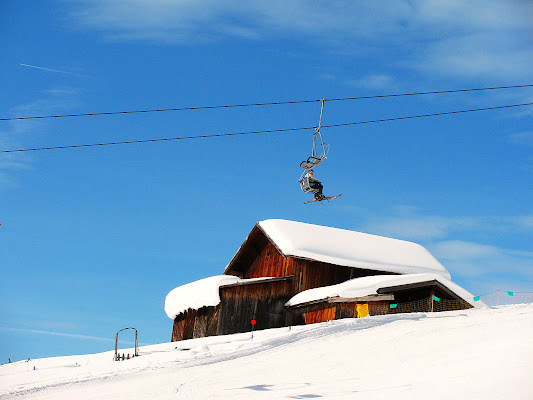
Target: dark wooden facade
<point x="196" y="323"/>
<point x="263" y="301"/>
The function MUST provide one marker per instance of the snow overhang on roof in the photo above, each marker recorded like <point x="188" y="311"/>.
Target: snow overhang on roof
<point x="348" y="248"/>
<point x="195" y="295"/>
<point x="372" y="285"/>
<point x="204" y="293"/>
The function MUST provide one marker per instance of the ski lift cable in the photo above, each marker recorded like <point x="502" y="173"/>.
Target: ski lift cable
<point x="263" y="104"/>
<point x="268" y="131"/>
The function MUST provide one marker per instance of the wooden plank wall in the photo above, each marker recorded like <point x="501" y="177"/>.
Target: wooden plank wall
<point x="271" y="263"/>
<point x="264" y="302"/>
<point x="196" y="323"/>
<point x="346" y="310"/>
<point x="325" y="311"/>
<point x="311" y="314"/>
<point x="378" y="307"/>
<point x="312" y="274"/>
<point x="320" y="315"/>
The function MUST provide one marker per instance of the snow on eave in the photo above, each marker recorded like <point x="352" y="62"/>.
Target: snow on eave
<point x="203" y="293"/>
<point x="370" y="285"/>
<point x="195" y="295"/>
<point x="349" y="248"/>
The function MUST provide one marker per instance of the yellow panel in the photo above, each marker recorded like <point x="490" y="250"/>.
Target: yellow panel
<point x="362" y="310"/>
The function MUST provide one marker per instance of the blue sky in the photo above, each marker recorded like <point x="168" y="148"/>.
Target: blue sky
<point x="93" y="239"/>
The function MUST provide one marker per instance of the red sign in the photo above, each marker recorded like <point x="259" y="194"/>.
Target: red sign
<point x="254" y="322"/>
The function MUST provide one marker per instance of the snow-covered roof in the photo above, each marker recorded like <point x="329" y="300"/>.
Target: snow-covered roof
<point x="350" y="248"/>
<point x="195" y="295"/>
<point x="201" y="293"/>
<point x="369" y="285"/>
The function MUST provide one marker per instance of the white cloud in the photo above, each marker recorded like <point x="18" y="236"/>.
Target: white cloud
<point x="410" y="225"/>
<point x="460" y="38"/>
<point x="374" y="81"/>
<point x="484" y="262"/>
<point x="522" y="138"/>
<point x="478" y="265"/>
<point x="16" y="133"/>
<point x="417" y="227"/>
<point x="526" y="221"/>
<point x="179" y="20"/>
<point x="476" y="55"/>
<point x="459" y="250"/>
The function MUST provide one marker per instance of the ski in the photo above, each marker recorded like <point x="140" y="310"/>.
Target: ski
<point x="324" y="198"/>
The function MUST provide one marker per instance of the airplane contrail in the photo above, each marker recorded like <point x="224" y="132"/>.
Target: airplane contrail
<point x="54" y="70"/>
<point x="71" y="335"/>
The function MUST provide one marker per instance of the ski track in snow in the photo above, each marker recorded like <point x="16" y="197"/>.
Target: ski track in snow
<point x="484" y="353"/>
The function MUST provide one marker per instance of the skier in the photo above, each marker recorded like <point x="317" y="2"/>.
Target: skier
<point x="315" y="184"/>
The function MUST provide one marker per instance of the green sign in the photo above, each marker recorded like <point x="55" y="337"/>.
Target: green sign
<point x="393" y="305"/>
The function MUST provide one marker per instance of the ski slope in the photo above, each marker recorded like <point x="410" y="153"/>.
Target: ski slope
<point x="469" y="354"/>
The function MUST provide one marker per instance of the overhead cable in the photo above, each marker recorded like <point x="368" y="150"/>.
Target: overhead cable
<point x="265" y="131"/>
<point x="263" y="104"/>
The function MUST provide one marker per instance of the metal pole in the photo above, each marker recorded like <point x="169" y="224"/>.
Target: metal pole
<point x="317" y="133"/>
<point x="116" y="346"/>
<point x="136" y="344"/>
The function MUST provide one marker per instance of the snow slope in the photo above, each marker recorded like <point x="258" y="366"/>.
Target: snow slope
<point x="468" y="354"/>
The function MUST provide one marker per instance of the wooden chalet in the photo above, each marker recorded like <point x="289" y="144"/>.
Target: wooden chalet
<point x="290" y="273"/>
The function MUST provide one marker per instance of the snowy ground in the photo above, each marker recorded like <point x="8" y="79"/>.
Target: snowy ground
<point x="474" y="354"/>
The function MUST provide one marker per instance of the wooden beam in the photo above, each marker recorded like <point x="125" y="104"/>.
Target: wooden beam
<point x="372" y="297"/>
<point x="418" y="285"/>
<point x="258" y="281"/>
<point x="337" y="299"/>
